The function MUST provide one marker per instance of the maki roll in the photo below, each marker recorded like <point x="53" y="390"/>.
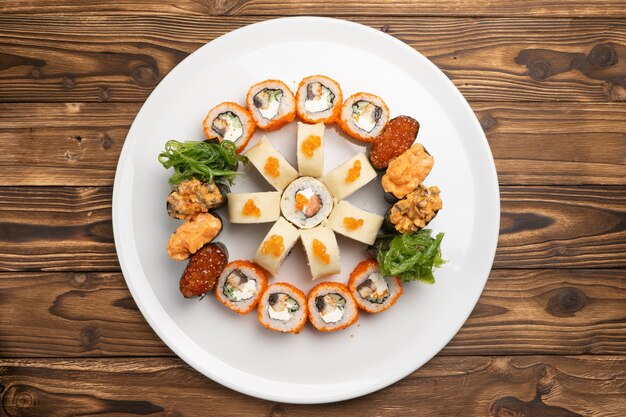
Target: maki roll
<point x="363" y="116"/>
<point x="354" y="222"/>
<point x="271" y="104"/>
<point x="322" y="251"/>
<point x="229" y="121"/>
<point x="371" y="291"/>
<point x="276" y="246"/>
<point x="318" y="100"/>
<point x="240" y="286"/>
<point x="407" y="171"/>
<point x="349" y="176"/>
<point x="397" y="137"/>
<point x="283" y="308"/>
<point x="311" y="149"/>
<point x="331" y="307"/>
<point x="271" y="164"/>
<point x="306" y="202"/>
<point x="253" y="207"/>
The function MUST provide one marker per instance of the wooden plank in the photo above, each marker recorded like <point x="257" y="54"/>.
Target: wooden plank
<point x="532" y="143"/>
<point x="531" y="386"/>
<point x="539" y="8"/>
<point x="541" y="227"/>
<point x="520" y="312"/>
<point x="71" y="58"/>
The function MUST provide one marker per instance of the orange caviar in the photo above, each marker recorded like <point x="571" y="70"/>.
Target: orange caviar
<point x="274" y="246"/>
<point x="271" y="167"/>
<point x="301" y="202"/>
<point x="250" y="209"/>
<point x="310" y="144"/>
<point x="352" y="224"/>
<point x="354" y="172"/>
<point x="319" y="250"/>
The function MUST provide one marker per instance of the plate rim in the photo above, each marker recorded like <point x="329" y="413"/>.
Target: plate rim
<point x="123" y="166"/>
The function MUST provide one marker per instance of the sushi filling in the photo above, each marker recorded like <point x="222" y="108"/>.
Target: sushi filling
<point x="228" y="126"/>
<point x="267" y="101"/>
<point x="366" y="115"/>
<point x="374" y="289"/>
<point x="318" y="98"/>
<point x="331" y="307"/>
<point x="308" y="202"/>
<point x="282" y="306"/>
<point x="238" y="286"/>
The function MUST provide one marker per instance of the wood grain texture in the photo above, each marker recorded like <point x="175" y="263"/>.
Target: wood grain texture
<point x="532" y="386"/>
<point x="520" y="312"/>
<point x="69" y="229"/>
<point x="532" y="143"/>
<point x="71" y="58"/>
<point x="539" y="8"/>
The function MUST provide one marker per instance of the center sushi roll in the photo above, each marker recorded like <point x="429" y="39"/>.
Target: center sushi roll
<point x="371" y="290"/>
<point x="271" y="104"/>
<point x="240" y="286"/>
<point x="331" y="307"/>
<point x="306" y="202"/>
<point x="283" y="308"/>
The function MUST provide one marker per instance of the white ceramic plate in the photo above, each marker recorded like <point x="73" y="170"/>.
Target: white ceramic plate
<point x="310" y="367"/>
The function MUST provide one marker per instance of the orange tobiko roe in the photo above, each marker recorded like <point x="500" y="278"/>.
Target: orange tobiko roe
<point x="352" y="224"/>
<point x="272" y="167"/>
<point x="354" y="172"/>
<point x="319" y="250"/>
<point x="250" y="209"/>
<point x="301" y="202"/>
<point x="274" y="246"/>
<point x="310" y="144"/>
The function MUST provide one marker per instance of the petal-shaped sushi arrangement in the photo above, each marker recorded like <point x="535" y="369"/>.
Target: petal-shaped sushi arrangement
<point x="309" y="205"/>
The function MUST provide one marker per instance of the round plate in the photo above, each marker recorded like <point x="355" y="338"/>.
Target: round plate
<point x="310" y="367"/>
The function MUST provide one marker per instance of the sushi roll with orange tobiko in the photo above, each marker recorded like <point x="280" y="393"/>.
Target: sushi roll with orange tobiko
<point x="283" y="308"/>
<point x="271" y="103"/>
<point x="372" y="291"/>
<point x="318" y="99"/>
<point x="331" y="307"/>
<point x="363" y="116"/>
<point x="229" y="121"/>
<point x="240" y="286"/>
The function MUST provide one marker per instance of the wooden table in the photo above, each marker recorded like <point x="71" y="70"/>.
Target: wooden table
<point x="547" y="81"/>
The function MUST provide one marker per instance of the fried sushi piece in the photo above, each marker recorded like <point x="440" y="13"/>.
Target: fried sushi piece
<point x="276" y="245"/>
<point x="191" y="197"/>
<point x="414" y="211"/>
<point x="192" y="235"/>
<point x="406" y="172"/>
<point x="306" y="202"/>
<point x="229" y="121"/>
<point x="363" y="116"/>
<point x="240" y="286"/>
<point x="271" y="104"/>
<point x="398" y="136"/>
<point x="253" y="207"/>
<point x="354" y="222"/>
<point x="318" y="99"/>
<point x="283" y="308"/>
<point x="350" y="176"/>
<point x="331" y="307"/>
<point x="371" y="290"/>
<point x="271" y="164"/>
<point x="203" y="270"/>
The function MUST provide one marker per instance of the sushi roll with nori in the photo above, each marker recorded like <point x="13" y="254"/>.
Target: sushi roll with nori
<point x="240" y="286"/>
<point x="306" y="202"/>
<point x="283" y="308"/>
<point x="322" y="251"/>
<point x="371" y="290"/>
<point x="253" y="207"/>
<point x="363" y="116"/>
<point x="331" y="307"/>
<point x="271" y="104"/>
<point x="229" y="121"/>
<point x="350" y="176"/>
<point x="276" y="245"/>
<point x="271" y="164"/>
<point x="318" y="100"/>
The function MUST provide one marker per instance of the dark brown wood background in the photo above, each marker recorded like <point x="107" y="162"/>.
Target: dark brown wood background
<point x="547" y="81"/>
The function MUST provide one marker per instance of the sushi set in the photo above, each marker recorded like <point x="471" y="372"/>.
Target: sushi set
<point x="308" y="205"/>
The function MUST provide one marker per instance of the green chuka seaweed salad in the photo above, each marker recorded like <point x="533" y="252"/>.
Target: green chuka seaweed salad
<point x="411" y="256"/>
<point x="205" y="161"/>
